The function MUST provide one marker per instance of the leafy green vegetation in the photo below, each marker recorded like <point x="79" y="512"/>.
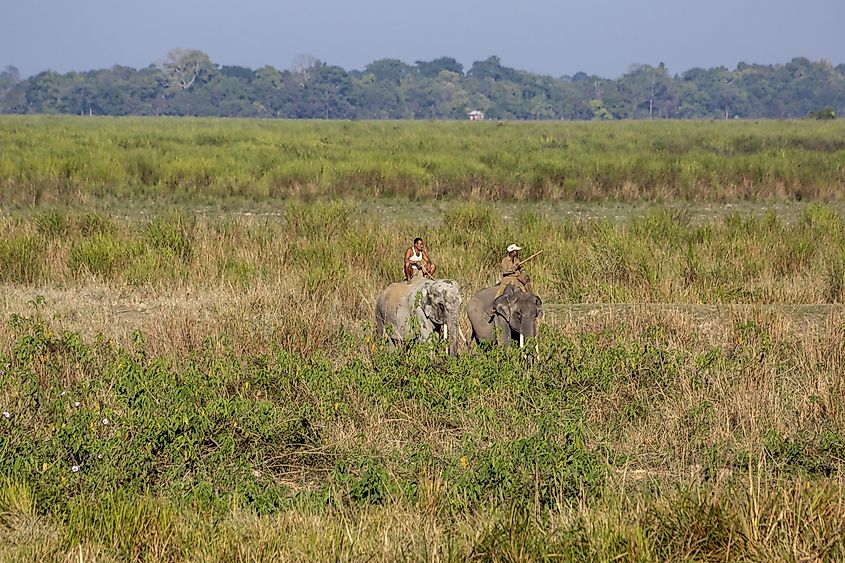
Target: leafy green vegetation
<point x="136" y="455"/>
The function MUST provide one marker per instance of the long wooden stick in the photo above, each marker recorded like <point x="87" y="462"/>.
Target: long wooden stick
<point x="521" y="262"/>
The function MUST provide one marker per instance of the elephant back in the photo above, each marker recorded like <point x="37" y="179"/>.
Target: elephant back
<point x="393" y="301"/>
<point x="483" y="299"/>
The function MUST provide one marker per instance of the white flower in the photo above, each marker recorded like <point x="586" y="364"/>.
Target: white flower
<point x="62" y="394"/>
<point x="105" y="421"/>
<point x="76" y="404"/>
<point x="99" y="456"/>
<point x="75" y="468"/>
<point x="7" y="414"/>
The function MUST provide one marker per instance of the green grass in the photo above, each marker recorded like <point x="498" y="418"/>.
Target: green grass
<point x="69" y="159"/>
<point x="112" y="451"/>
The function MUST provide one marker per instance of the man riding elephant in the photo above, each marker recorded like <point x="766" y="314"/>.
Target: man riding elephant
<point x="511" y="315"/>
<point x="417" y="261"/>
<point x="508" y="310"/>
<point x="512" y="273"/>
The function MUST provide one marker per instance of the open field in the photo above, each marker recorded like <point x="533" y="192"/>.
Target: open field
<point x="191" y="375"/>
<point x="78" y="160"/>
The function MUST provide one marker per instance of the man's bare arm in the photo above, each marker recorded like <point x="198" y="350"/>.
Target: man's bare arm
<point x="425" y="263"/>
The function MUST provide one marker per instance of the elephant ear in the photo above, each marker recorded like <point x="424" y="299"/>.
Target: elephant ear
<point x="432" y="312"/>
<point x="539" y="303"/>
<point x="428" y="310"/>
<point x="503" y="304"/>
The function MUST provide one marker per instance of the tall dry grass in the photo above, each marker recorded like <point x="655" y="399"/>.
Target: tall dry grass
<point x="655" y="254"/>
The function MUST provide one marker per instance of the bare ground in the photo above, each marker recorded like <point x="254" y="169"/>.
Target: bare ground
<point x="167" y="315"/>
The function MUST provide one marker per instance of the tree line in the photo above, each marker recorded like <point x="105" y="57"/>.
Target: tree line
<point x="187" y="82"/>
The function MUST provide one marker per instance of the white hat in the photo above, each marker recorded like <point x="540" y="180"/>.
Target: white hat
<point x="513" y="247"/>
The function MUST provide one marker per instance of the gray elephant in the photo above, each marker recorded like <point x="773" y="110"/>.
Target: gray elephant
<point x="513" y="315"/>
<point x="429" y="306"/>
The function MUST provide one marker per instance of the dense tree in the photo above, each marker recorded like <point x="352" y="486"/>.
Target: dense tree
<point x="327" y="94"/>
<point x="9" y="77"/>
<point x="433" y="68"/>
<point x="492" y="68"/>
<point x="240" y="72"/>
<point x="187" y="82"/>
<point x="378" y="99"/>
<point x="392" y="71"/>
<point x="45" y="91"/>
<point x="650" y="92"/>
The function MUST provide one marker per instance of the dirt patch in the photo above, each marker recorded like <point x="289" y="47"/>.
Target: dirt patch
<point x="117" y="312"/>
<point x="114" y="312"/>
<point x="712" y="321"/>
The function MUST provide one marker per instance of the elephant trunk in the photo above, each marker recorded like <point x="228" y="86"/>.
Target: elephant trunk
<point x="527" y="329"/>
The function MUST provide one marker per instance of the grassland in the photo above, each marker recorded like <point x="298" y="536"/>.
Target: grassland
<point x="346" y="251"/>
<point x="77" y="160"/>
<point x="190" y="374"/>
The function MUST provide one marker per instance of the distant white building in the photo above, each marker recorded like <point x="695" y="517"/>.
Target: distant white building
<point x="476" y="115"/>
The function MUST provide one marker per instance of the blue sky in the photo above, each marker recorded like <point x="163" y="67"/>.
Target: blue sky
<point x="601" y="37"/>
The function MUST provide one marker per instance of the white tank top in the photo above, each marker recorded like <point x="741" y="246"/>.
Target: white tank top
<point x="415" y="258"/>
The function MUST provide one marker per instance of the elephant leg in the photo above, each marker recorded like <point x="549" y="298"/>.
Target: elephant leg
<point x="473" y="336"/>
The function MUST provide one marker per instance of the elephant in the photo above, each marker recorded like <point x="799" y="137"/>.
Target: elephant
<point x="499" y="319"/>
<point x="435" y="304"/>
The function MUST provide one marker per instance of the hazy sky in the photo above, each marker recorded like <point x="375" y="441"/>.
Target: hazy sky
<point x="601" y="37"/>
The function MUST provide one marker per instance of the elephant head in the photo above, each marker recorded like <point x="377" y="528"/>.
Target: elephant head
<point x="517" y="312"/>
<point x="441" y="305"/>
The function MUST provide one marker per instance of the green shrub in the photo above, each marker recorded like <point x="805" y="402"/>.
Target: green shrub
<point x="22" y="259"/>
<point x="172" y="233"/>
<point x="101" y="255"/>
<point x="93" y="223"/>
<point x="52" y="223"/>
